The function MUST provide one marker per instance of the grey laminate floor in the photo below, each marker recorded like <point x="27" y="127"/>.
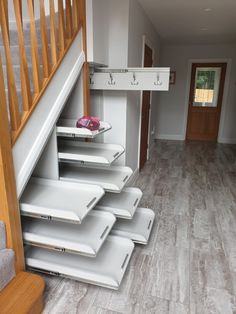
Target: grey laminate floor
<point x="190" y="264"/>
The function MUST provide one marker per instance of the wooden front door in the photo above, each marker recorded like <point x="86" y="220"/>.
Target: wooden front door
<point x="148" y="62"/>
<point x="205" y="101"/>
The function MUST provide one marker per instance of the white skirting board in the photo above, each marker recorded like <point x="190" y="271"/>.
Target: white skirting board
<point x="106" y="270"/>
<point x="57" y="200"/>
<point x="111" y="179"/>
<point x="87" y="153"/>
<point x="138" y="229"/>
<point x="122" y="205"/>
<point x="67" y="128"/>
<point x="85" y="239"/>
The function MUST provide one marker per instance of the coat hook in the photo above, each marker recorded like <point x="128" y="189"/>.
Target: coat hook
<point x="91" y="78"/>
<point x="135" y="82"/>
<point x="158" y="82"/>
<point x="111" y="82"/>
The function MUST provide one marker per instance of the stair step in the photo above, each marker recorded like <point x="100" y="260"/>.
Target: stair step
<point x="2" y="236"/>
<point x="7" y="267"/>
<point x="57" y="200"/>
<point x="67" y="128"/>
<point x="106" y="270"/>
<point x="111" y="179"/>
<point x="138" y="229"/>
<point x="85" y="239"/>
<point x="89" y="153"/>
<point x="24" y="294"/>
<point x="122" y="205"/>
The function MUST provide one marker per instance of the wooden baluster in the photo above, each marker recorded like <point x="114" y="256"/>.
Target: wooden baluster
<point x="24" y="71"/>
<point x="12" y="92"/>
<point x="34" y="49"/>
<point x="5" y="4"/>
<point x="61" y="28"/>
<point x="45" y="52"/>
<point x="53" y="33"/>
<point x="75" y="15"/>
<point x="68" y="19"/>
<point x="9" y="211"/>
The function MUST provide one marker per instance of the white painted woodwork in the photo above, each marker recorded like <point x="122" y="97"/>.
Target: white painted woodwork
<point x="111" y="179"/>
<point x="106" y="270"/>
<point x="130" y="79"/>
<point x="122" y="205"/>
<point x="87" y="153"/>
<point x="85" y="239"/>
<point x="138" y="229"/>
<point x="57" y="200"/>
<point x="67" y="128"/>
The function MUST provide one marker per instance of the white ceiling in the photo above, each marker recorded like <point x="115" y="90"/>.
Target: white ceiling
<point x="188" y="21"/>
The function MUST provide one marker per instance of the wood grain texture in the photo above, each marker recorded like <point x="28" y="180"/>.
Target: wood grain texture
<point x="12" y="93"/>
<point x="25" y="82"/>
<point x="9" y="207"/>
<point x="44" y="36"/>
<point x="189" y="265"/>
<point x="53" y="33"/>
<point x="34" y="49"/>
<point x="24" y="295"/>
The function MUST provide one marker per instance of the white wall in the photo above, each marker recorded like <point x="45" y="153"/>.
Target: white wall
<point x="139" y="26"/>
<point x="171" y="111"/>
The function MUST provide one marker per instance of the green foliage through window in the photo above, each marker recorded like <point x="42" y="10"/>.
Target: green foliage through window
<point x="205" y="79"/>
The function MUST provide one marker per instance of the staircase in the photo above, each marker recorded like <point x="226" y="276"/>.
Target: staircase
<point x="7" y="259"/>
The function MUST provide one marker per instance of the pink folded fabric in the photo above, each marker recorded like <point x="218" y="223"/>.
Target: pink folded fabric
<point x="88" y="122"/>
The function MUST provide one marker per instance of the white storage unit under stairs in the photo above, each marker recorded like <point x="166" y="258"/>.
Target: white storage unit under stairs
<point x="82" y="224"/>
<point x="79" y="218"/>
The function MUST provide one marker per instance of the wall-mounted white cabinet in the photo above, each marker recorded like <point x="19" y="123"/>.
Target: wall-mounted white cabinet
<point x="136" y="79"/>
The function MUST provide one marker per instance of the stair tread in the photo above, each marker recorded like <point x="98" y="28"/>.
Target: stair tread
<point x="23" y="295"/>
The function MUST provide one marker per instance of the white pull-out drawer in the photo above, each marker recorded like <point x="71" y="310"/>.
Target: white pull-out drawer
<point x="137" y="79"/>
<point x="89" y="153"/>
<point x="67" y="128"/>
<point x="112" y="179"/>
<point x="106" y="270"/>
<point x="122" y="205"/>
<point x="57" y="200"/>
<point x="85" y="239"/>
<point x="138" y="229"/>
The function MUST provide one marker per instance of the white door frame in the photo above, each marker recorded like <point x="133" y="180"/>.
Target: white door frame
<point x="147" y="42"/>
<point x="225" y="96"/>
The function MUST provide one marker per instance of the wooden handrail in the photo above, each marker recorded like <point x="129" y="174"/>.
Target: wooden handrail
<point x="71" y="19"/>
